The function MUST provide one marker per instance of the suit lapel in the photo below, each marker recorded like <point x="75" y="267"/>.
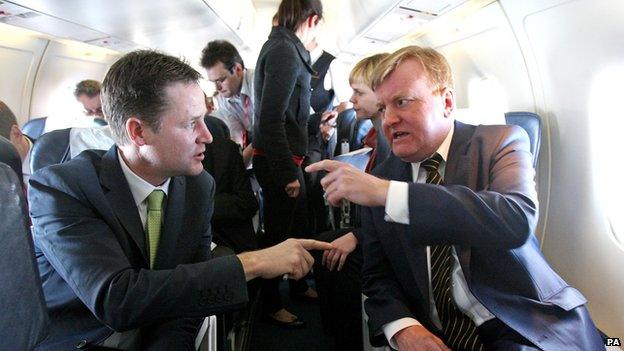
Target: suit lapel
<point x="120" y="199"/>
<point x="174" y="214"/>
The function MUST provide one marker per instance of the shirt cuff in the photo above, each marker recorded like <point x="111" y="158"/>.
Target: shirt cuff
<point x="397" y="209"/>
<point x="390" y="329"/>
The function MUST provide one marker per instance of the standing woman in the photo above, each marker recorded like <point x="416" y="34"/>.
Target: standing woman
<point x="282" y="106"/>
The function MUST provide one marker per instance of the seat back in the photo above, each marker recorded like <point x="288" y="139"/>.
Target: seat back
<point x="51" y="148"/>
<point x="532" y="124"/>
<point x="10" y="157"/>
<point x="35" y="127"/>
<point x="349" y="128"/>
<point x="24" y="318"/>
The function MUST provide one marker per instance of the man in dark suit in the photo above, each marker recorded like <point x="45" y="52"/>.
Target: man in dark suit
<point x="123" y="237"/>
<point x="450" y="256"/>
<point x="234" y="203"/>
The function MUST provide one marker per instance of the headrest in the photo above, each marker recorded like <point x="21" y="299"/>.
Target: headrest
<point x="51" y="148"/>
<point x="532" y="124"/>
<point x="10" y="157"/>
<point x="35" y="127"/>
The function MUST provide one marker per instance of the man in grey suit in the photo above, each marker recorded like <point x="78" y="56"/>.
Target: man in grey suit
<point x="123" y="237"/>
<point x="450" y="256"/>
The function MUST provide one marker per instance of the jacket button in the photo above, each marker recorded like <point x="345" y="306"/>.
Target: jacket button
<point x="81" y="344"/>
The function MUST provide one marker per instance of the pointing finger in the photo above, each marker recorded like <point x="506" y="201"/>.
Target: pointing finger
<point x="326" y="165"/>
<point x="311" y="244"/>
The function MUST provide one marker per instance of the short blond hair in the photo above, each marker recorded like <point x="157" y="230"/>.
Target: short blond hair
<point x="435" y="65"/>
<point x="363" y="71"/>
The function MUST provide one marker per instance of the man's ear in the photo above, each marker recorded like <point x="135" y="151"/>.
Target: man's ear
<point x="312" y="21"/>
<point x="449" y="101"/>
<point x="135" y="129"/>
<point x="15" y="134"/>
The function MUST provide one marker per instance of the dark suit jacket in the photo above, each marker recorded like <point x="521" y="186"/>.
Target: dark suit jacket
<point x="282" y="105"/>
<point x="234" y="202"/>
<point x="488" y="210"/>
<point x="90" y="248"/>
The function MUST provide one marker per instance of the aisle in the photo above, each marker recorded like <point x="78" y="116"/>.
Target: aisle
<point x="268" y="337"/>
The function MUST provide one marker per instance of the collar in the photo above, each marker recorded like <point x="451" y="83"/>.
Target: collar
<point x="139" y="188"/>
<point x="316" y="54"/>
<point x="246" y="87"/>
<point x="443" y="149"/>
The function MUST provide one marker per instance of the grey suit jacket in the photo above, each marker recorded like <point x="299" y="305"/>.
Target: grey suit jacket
<point x="487" y="209"/>
<point x="92" y="257"/>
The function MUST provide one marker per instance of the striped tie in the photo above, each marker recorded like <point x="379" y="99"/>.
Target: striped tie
<point x="459" y="330"/>
<point x="154" y="221"/>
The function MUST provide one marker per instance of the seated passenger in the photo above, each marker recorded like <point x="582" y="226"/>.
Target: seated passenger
<point x="122" y="237"/>
<point x="10" y="130"/>
<point x="453" y="263"/>
<point x="87" y="92"/>
<point x="234" y="201"/>
<point x="338" y="271"/>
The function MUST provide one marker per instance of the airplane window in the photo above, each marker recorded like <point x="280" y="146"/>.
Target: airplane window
<point x="606" y="127"/>
<point x="487" y="101"/>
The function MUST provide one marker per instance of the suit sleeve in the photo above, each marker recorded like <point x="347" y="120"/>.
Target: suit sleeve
<point x="279" y="88"/>
<point x="237" y="202"/>
<point x="86" y="253"/>
<point x="503" y="215"/>
<point x="386" y="301"/>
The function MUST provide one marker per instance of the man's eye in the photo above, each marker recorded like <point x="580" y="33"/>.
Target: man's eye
<point x="381" y="109"/>
<point x="402" y="102"/>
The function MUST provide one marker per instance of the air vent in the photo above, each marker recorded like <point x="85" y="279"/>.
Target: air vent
<point x="28" y="15"/>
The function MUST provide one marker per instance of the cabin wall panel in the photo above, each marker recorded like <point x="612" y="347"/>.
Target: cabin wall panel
<point x="572" y="43"/>
<point x="63" y="65"/>
<point x="20" y="55"/>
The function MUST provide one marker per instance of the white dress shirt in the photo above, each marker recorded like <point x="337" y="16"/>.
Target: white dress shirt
<point x="96" y="138"/>
<point x="336" y="78"/>
<point x="232" y="111"/>
<point x="397" y="210"/>
<point x="140" y="188"/>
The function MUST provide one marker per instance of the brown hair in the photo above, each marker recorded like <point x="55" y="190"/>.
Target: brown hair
<point x="292" y="13"/>
<point x="136" y="85"/>
<point x="7" y="120"/>
<point x="363" y="70"/>
<point x="88" y="87"/>
<point x="437" y="68"/>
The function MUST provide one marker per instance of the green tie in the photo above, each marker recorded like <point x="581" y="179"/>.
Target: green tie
<point x="154" y="215"/>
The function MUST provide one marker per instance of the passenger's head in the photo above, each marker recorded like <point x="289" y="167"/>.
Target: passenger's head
<point x="10" y="130"/>
<point x="224" y="67"/>
<point x="363" y="98"/>
<point x="300" y="16"/>
<point x="87" y="93"/>
<point x="415" y="90"/>
<point x="154" y="105"/>
<point x="7" y="120"/>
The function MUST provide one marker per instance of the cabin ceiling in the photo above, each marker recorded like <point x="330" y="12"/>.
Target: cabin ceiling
<point x="183" y="27"/>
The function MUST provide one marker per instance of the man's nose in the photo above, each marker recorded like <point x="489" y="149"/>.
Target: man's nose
<point x="205" y="137"/>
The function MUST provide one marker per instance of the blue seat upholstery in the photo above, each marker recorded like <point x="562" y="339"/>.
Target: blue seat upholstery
<point x="532" y="124"/>
<point x="10" y="157"/>
<point x="51" y="148"/>
<point x="24" y="318"/>
<point x="349" y="128"/>
<point x="35" y="127"/>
